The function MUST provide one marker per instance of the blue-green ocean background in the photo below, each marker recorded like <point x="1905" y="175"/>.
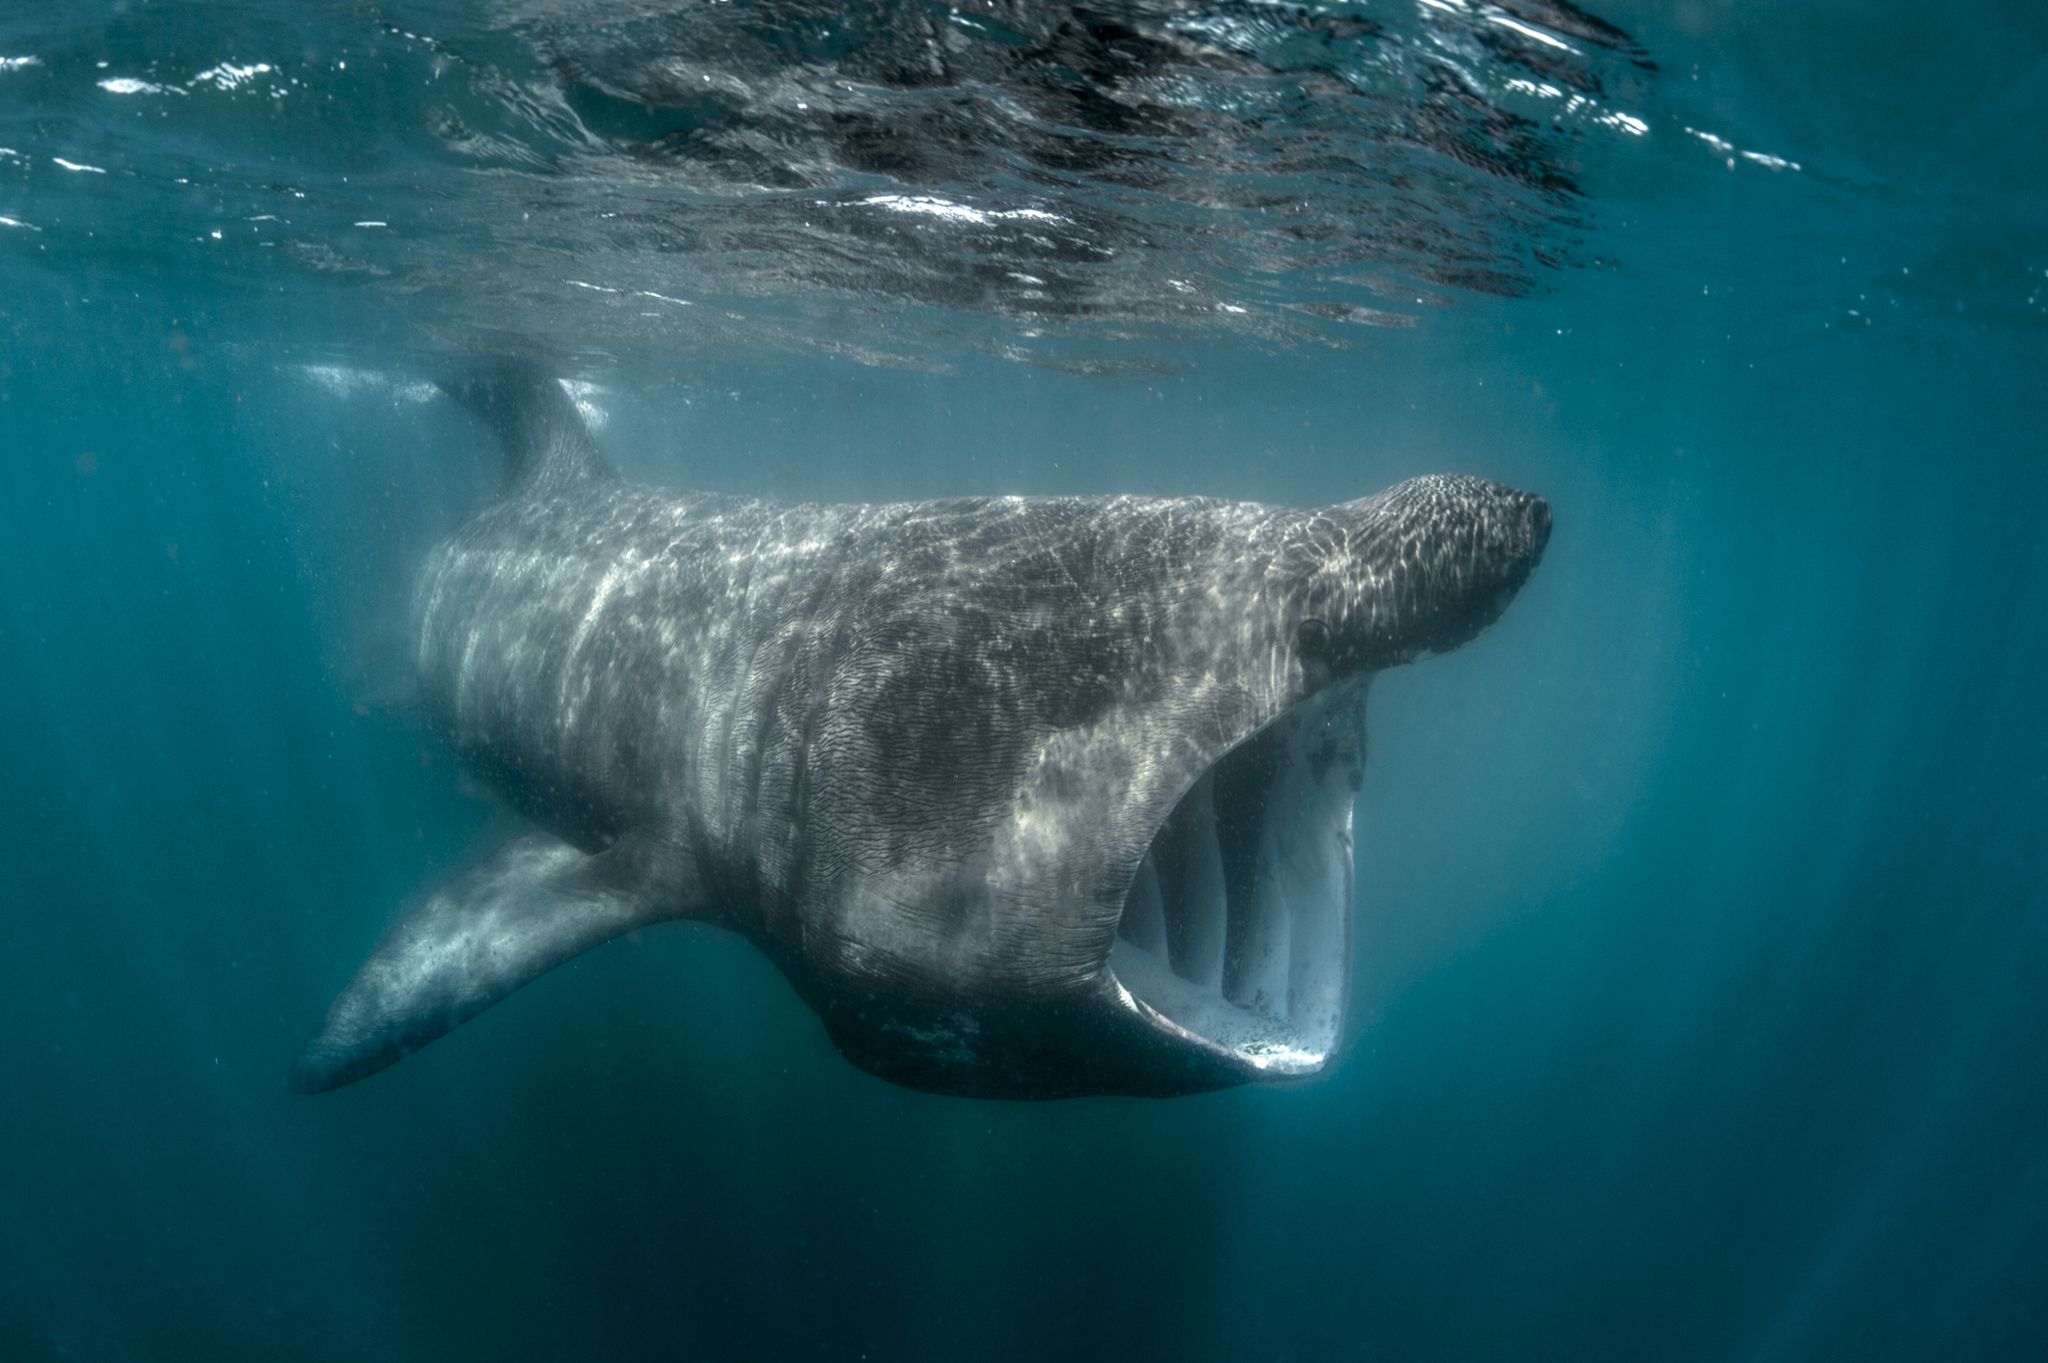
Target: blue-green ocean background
<point x="1701" y="1005"/>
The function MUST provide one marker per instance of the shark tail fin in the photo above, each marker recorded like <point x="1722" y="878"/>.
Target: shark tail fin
<point x="546" y="443"/>
<point x="525" y="909"/>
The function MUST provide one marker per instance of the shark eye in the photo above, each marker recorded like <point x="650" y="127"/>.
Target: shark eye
<point x="1312" y="637"/>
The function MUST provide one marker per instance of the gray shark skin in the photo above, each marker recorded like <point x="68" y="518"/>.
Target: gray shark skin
<point x="1028" y="797"/>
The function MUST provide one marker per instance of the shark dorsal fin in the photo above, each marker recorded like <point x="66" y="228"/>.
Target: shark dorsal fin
<point x="546" y="444"/>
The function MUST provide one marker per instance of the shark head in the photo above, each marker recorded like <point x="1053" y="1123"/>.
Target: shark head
<point x="1132" y="751"/>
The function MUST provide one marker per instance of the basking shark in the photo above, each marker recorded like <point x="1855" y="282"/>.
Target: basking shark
<point x="1028" y="797"/>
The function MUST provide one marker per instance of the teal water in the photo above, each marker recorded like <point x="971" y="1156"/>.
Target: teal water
<point x="1701" y="1003"/>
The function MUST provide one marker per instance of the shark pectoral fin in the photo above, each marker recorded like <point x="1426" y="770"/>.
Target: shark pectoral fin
<point x="523" y="910"/>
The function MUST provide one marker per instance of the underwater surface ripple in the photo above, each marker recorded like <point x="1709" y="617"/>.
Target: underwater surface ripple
<point x="1036" y="181"/>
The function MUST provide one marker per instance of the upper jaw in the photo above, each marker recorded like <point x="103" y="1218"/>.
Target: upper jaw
<point x="1234" y="942"/>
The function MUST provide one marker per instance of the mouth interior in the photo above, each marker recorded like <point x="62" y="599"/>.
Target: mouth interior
<point x="1236" y="930"/>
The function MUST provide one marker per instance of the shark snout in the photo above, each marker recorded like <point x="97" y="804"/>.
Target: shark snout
<point x="1526" y="525"/>
<point x="1519" y="529"/>
<point x="1502" y="529"/>
<point x="1435" y="560"/>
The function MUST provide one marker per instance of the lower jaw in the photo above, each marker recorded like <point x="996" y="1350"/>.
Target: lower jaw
<point x="1250" y="1044"/>
<point x="1091" y="1044"/>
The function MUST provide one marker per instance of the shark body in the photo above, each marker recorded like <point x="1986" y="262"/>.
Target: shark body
<point x="1028" y="797"/>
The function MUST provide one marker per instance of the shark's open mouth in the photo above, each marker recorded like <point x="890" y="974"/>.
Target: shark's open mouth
<point x="1236" y="931"/>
